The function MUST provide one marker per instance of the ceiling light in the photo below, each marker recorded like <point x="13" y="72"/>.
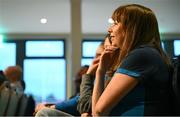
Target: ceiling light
<point x="43" y="20"/>
<point x="110" y="20"/>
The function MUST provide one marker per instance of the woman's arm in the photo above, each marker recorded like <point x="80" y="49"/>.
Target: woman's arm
<point x="119" y="86"/>
<point x="98" y="90"/>
<point x="85" y="101"/>
<point x="104" y="100"/>
<point x="99" y="79"/>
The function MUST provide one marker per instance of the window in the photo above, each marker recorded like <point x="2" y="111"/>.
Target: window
<point x="44" y="49"/>
<point x="176" y="47"/>
<point x="45" y="70"/>
<point x="162" y="44"/>
<point x="89" y="50"/>
<point x="7" y="55"/>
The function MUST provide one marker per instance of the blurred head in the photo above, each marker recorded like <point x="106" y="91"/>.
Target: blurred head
<point x="13" y="73"/>
<point x="99" y="49"/>
<point x="84" y="69"/>
<point x="134" y="25"/>
<point x="106" y="42"/>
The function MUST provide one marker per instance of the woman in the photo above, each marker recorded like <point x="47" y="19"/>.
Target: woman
<point x="86" y="88"/>
<point x="140" y="85"/>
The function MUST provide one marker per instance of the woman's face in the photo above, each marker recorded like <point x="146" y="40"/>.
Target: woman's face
<point x="117" y="34"/>
<point x="99" y="51"/>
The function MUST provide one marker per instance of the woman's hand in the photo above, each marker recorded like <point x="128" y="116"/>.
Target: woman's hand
<point x="85" y="115"/>
<point x="107" y="58"/>
<point x="93" y="67"/>
<point x="41" y="106"/>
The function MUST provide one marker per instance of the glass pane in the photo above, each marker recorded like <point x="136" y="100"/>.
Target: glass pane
<point x="89" y="48"/>
<point x="44" y="48"/>
<point x="86" y="61"/>
<point x="45" y="79"/>
<point x="7" y="55"/>
<point x="176" y="47"/>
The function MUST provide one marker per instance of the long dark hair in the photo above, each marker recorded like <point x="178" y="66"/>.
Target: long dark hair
<point x="140" y="27"/>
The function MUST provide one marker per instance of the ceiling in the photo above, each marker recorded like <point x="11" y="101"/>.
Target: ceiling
<point x="23" y="16"/>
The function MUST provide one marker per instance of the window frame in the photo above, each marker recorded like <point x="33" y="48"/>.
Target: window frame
<point x="50" y="58"/>
<point x="46" y="57"/>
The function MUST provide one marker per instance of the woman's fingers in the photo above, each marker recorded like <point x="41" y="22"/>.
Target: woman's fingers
<point x="39" y="107"/>
<point x="111" y="48"/>
<point x="93" y="67"/>
<point x="96" y="60"/>
<point x="107" y="56"/>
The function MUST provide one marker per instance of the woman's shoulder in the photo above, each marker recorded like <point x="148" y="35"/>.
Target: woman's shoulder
<point x="145" y="49"/>
<point x="145" y="52"/>
<point x="143" y="55"/>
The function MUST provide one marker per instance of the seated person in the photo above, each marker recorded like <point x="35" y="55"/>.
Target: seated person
<point x="83" y="102"/>
<point x="14" y="75"/>
<point x="140" y="85"/>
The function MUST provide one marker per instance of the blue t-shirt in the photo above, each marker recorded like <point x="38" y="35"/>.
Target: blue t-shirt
<point x="151" y="95"/>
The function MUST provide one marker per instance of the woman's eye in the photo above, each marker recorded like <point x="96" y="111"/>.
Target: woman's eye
<point x="115" y="23"/>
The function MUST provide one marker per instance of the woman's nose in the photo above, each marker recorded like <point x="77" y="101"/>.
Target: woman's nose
<point x="110" y="29"/>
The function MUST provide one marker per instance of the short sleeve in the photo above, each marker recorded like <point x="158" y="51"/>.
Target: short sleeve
<point x="138" y="64"/>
